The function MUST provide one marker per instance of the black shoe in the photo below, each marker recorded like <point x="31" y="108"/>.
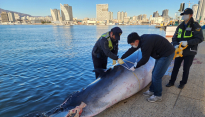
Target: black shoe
<point x="181" y="86"/>
<point x="169" y="84"/>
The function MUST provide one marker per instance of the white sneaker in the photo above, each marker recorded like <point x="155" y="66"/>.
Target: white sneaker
<point x="154" y="98"/>
<point x="148" y="93"/>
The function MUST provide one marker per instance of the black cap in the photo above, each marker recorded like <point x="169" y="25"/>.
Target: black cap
<point x="117" y="32"/>
<point x="132" y="37"/>
<point x="187" y="11"/>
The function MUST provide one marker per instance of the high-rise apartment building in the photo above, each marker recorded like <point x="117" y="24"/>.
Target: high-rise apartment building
<point x="125" y="14"/>
<point x="16" y="16"/>
<point x="139" y="17"/>
<point x="66" y="12"/>
<point x="156" y="14"/>
<point x="110" y="15"/>
<point x="202" y="14"/>
<point x="144" y="17"/>
<point x="134" y="18"/>
<point x="118" y="15"/>
<point x="71" y="13"/>
<point x="122" y="16"/>
<point x="200" y="3"/>
<point x="4" y="17"/>
<point x="165" y="13"/>
<point x="55" y="14"/>
<point x="102" y="12"/>
<point x="11" y="17"/>
<point x="195" y="8"/>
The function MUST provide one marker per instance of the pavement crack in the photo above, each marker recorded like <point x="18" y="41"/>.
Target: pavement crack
<point x="177" y="98"/>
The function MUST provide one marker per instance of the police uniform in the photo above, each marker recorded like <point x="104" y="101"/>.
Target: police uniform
<point x="192" y="33"/>
<point x="105" y="47"/>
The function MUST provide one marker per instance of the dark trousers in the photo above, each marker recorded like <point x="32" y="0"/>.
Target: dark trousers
<point x="188" y="60"/>
<point x="99" y="63"/>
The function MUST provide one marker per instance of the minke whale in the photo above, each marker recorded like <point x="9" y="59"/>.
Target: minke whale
<point x="113" y="85"/>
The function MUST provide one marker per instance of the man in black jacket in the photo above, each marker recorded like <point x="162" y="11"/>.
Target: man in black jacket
<point x="188" y="33"/>
<point x="155" y="46"/>
<point x="106" y="46"/>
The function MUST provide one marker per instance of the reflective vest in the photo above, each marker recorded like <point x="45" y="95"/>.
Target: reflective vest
<point x="106" y="35"/>
<point x="180" y="33"/>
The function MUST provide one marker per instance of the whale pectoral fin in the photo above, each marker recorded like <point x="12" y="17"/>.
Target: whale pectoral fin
<point x="76" y="112"/>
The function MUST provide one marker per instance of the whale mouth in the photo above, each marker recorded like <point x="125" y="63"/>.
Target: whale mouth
<point x="76" y="112"/>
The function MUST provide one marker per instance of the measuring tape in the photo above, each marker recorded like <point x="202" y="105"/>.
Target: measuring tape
<point x="179" y="51"/>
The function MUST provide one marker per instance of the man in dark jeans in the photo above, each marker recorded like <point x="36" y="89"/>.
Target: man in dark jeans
<point x="188" y="33"/>
<point x="155" y="46"/>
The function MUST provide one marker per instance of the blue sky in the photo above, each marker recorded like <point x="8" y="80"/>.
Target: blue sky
<point x="87" y="8"/>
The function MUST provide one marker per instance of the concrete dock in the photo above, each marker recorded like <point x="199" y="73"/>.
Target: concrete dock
<point x="187" y="102"/>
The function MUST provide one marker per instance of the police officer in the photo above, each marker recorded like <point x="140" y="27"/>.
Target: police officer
<point x="106" y="46"/>
<point x="156" y="46"/>
<point x="188" y="33"/>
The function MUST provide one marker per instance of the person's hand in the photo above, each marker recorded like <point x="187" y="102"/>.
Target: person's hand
<point x="113" y="62"/>
<point x="132" y="68"/>
<point x="120" y="61"/>
<point x="135" y="64"/>
<point x="176" y="46"/>
<point x="184" y="43"/>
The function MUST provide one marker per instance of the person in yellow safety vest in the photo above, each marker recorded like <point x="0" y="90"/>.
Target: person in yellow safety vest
<point x="106" y="46"/>
<point x="188" y="33"/>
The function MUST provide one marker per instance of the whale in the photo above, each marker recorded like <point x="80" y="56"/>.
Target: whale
<point x="113" y="85"/>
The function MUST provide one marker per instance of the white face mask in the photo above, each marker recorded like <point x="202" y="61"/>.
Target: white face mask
<point x="134" y="46"/>
<point x="185" y="17"/>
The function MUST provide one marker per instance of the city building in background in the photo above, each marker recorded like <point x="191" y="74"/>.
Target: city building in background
<point x="125" y="14"/>
<point x="134" y="18"/>
<point x="55" y="14"/>
<point x="11" y="17"/>
<point x="110" y="15"/>
<point x="139" y="17"/>
<point x="102" y="12"/>
<point x="126" y="19"/>
<point x="4" y="17"/>
<point x="17" y="17"/>
<point x="66" y="12"/>
<point x="156" y="20"/>
<point x="118" y="15"/>
<point x="181" y="9"/>
<point x="144" y="17"/>
<point x="64" y="16"/>
<point x="199" y="9"/>
<point x="122" y="16"/>
<point x="156" y="14"/>
<point x="195" y="8"/>
<point x="165" y="13"/>
<point x="202" y="14"/>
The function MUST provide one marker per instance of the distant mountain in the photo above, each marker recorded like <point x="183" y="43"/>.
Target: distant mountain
<point x="20" y="14"/>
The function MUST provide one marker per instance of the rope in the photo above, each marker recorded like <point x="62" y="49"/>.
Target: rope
<point x="129" y="61"/>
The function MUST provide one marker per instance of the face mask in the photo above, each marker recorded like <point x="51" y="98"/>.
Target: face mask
<point x="114" y="40"/>
<point x="185" y="17"/>
<point x="134" y="46"/>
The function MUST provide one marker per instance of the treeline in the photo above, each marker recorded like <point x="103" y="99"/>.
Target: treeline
<point x="43" y="22"/>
